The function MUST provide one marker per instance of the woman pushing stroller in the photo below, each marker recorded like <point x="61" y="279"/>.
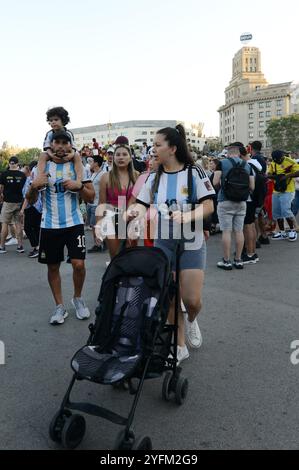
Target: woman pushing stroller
<point x="183" y="195"/>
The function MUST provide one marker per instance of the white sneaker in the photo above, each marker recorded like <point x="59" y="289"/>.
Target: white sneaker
<point x="279" y="236"/>
<point x="193" y="334"/>
<point x="59" y="315"/>
<point x="292" y="236"/>
<point x="82" y="311"/>
<point x="182" y="354"/>
<point x="12" y="241"/>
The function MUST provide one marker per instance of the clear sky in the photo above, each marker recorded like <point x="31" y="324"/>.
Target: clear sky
<point x="117" y="60"/>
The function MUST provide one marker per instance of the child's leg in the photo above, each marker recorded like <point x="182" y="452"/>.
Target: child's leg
<point x="42" y="161"/>
<point x="78" y="167"/>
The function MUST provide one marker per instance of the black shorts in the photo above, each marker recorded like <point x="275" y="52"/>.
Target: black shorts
<point x="250" y="213"/>
<point x="53" y="241"/>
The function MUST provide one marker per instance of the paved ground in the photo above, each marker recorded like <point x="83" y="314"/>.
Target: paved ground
<point x="243" y="387"/>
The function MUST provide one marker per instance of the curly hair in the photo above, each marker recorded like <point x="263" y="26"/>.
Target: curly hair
<point x="59" y="112"/>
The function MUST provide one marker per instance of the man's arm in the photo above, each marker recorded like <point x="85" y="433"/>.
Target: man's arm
<point x="292" y="175"/>
<point x="87" y="193"/>
<point x="86" y="190"/>
<point x="251" y="183"/>
<point x="1" y="192"/>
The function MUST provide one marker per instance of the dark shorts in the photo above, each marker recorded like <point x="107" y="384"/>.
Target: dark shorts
<point x="53" y="242"/>
<point x="250" y="213"/>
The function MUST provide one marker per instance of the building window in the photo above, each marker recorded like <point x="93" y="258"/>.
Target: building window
<point x="268" y="144"/>
<point x="152" y="133"/>
<point x="278" y="103"/>
<point x="250" y="115"/>
<point x="257" y="88"/>
<point x="250" y="106"/>
<point x="251" y="125"/>
<point x="268" y="104"/>
<point x="144" y="132"/>
<point x="279" y="112"/>
<point x="268" y="113"/>
<point x="261" y="134"/>
<point x="261" y="124"/>
<point x="261" y="105"/>
<point x="250" y="135"/>
<point x="261" y="115"/>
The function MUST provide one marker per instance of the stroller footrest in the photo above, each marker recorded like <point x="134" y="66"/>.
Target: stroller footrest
<point x="95" y="410"/>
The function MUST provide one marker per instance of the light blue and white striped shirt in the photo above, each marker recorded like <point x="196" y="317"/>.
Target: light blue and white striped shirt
<point x="60" y="207"/>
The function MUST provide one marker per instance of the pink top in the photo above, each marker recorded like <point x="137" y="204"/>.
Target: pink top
<point x="113" y="195"/>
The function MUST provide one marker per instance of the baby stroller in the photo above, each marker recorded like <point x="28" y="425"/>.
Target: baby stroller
<point x="129" y="340"/>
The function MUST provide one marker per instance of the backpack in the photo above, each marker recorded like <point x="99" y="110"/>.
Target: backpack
<point x="139" y="165"/>
<point x="260" y="190"/>
<point x="236" y="182"/>
<point x="280" y="185"/>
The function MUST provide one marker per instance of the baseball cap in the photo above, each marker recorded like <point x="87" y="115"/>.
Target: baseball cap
<point x="110" y="150"/>
<point x="14" y="160"/>
<point x="61" y="135"/>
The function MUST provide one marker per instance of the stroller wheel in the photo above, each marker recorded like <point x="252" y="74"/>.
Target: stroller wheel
<point x="124" y="443"/>
<point x="73" y="431"/>
<point x="167" y="386"/>
<point x="181" y="390"/>
<point x="56" y="425"/>
<point x="143" y="443"/>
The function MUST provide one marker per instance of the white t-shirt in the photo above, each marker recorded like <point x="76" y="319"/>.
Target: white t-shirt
<point x="95" y="179"/>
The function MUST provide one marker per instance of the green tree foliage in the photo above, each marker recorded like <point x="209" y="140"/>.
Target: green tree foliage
<point x="284" y="133"/>
<point x="26" y="156"/>
<point x="4" y="157"/>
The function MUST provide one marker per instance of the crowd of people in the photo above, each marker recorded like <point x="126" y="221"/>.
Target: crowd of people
<point x="152" y="200"/>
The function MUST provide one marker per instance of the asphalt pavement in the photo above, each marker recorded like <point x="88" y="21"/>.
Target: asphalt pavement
<point x="243" y="389"/>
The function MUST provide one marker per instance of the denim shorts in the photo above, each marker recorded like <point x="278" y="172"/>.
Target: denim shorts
<point x="231" y="216"/>
<point x="189" y="259"/>
<point x="282" y="205"/>
<point x="91" y="214"/>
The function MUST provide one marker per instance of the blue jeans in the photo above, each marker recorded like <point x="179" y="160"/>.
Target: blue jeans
<point x="295" y="204"/>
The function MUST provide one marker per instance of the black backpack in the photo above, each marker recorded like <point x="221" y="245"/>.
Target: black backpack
<point x="139" y="165"/>
<point x="260" y="190"/>
<point x="280" y="185"/>
<point x="236" y="182"/>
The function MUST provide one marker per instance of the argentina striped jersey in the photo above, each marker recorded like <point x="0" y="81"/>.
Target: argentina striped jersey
<point x="61" y="208"/>
<point x="173" y="188"/>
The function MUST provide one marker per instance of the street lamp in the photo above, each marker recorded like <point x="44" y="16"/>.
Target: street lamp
<point x="109" y="126"/>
